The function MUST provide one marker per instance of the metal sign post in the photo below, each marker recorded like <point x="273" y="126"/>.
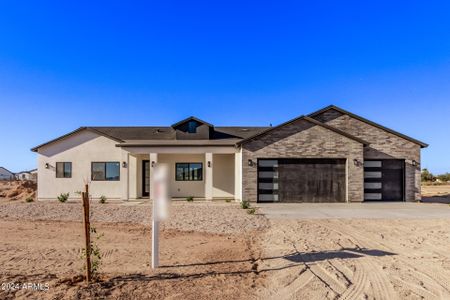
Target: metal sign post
<point x="160" y="207"/>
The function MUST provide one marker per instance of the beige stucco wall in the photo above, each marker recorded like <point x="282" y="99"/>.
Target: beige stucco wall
<point x="86" y="147"/>
<point x="223" y="175"/>
<point x="80" y="149"/>
<point x="183" y="188"/>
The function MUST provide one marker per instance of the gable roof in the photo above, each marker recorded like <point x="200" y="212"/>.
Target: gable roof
<point x="190" y="119"/>
<point x="333" y="107"/>
<point x="162" y="135"/>
<point x="92" y="129"/>
<point x="308" y="119"/>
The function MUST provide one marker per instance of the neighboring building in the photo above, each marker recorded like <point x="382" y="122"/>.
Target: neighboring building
<point x="328" y="156"/>
<point x="27" y="175"/>
<point x="5" y="174"/>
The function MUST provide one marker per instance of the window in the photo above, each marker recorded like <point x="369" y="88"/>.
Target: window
<point x="105" y="171"/>
<point x="63" y="170"/>
<point x="192" y="127"/>
<point x="188" y="171"/>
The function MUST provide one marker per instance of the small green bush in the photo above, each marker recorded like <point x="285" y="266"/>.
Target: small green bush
<point x="63" y="197"/>
<point x="102" y="199"/>
<point x="190" y="199"/>
<point x="245" y="204"/>
<point x="251" y="211"/>
<point x="29" y="199"/>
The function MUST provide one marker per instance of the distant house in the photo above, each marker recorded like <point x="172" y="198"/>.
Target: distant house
<point x="27" y="175"/>
<point x="5" y="174"/>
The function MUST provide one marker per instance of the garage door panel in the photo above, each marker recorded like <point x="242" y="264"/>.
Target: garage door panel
<point x="306" y="180"/>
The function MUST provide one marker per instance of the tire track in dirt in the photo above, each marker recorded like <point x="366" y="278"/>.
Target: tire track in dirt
<point x="434" y="278"/>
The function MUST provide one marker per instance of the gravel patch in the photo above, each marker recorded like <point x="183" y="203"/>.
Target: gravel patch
<point x="227" y="218"/>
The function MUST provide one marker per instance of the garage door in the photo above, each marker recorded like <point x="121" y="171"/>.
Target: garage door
<point x="301" y="180"/>
<point x="384" y="180"/>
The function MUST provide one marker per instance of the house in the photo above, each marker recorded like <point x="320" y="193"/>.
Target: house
<point x="27" y="175"/>
<point x="5" y="174"/>
<point x="331" y="155"/>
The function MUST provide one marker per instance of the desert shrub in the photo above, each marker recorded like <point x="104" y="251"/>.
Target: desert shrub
<point x="102" y="199"/>
<point x="63" y="197"/>
<point x="251" y="211"/>
<point x="245" y="204"/>
<point x="227" y="200"/>
<point x="29" y="199"/>
<point x="190" y="199"/>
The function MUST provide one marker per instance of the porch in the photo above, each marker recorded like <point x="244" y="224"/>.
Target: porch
<point x="212" y="173"/>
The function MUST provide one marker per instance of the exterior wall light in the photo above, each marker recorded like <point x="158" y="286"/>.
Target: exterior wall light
<point x="250" y="163"/>
<point x="124" y="164"/>
<point x="47" y="165"/>
<point x="153" y="163"/>
<point x="357" y="162"/>
<point x="209" y="164"/>
<point x="415" y="163"/>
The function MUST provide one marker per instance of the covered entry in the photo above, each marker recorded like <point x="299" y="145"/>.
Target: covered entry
<point x="301" y="180"/>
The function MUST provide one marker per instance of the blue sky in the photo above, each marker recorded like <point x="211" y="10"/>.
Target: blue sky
<point x="64" y="65"/>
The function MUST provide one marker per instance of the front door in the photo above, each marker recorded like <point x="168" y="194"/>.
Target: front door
<point x="145" y="178"/>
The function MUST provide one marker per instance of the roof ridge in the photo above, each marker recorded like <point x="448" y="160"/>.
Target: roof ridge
<point x="362" y="119"/>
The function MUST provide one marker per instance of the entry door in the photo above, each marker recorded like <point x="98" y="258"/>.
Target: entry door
<point x="384" y="180"/>
<point x="145" y="178"/>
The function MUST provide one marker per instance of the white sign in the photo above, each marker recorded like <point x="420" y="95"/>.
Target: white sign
<point x="161" y="204"/>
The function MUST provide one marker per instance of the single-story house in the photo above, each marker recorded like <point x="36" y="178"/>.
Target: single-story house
<point x="331" y="155"/>
<point x="5" y="174"/>
<point x="27" y="175"/>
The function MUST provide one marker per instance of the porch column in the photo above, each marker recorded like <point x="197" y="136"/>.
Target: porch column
<point x="209" y="164"/>
<point x="124" y="175"/>
<point x="238" y="176"/>
<point x="153" y="161"/>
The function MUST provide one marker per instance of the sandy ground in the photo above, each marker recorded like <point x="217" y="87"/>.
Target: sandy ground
<point x="436" y="193"/>
<point x="41" y="244"/>
<point x="357" y="259"/>
<point x="17" y="190"/>
<point x="218" y="251"/>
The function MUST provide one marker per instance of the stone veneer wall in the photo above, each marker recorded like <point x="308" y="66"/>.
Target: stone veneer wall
<point x="302" y="139"/>
<point x="383" y="145"/>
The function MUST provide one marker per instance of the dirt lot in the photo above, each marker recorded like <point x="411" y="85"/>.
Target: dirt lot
<point x="217" y="251"/>
<point x="436" y="193"/>
<point x="357" y="259"/>
<point x="215" y="261"/>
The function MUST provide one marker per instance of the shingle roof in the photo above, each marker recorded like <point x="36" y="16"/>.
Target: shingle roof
<point x="163" y="135"/>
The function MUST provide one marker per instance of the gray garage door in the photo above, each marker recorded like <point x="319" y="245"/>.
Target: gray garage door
<point x="301" y="180"/>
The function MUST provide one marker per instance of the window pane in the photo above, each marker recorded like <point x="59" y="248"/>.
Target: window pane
<point x="59" y="170"/>
<point x="112" y="171"/>
<point x="372" y="164"/>
<point x="98" y="171"/>
<point x="182" y="171"/>
<point x="196" y="171"/>
<point x="67" y="169"/>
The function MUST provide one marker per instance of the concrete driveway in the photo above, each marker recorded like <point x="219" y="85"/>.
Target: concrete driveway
<point x="389" y="210"/>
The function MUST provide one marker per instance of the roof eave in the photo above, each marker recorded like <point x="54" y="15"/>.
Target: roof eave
<point x="420" y="143"/>
<point x="36" y="149"/>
